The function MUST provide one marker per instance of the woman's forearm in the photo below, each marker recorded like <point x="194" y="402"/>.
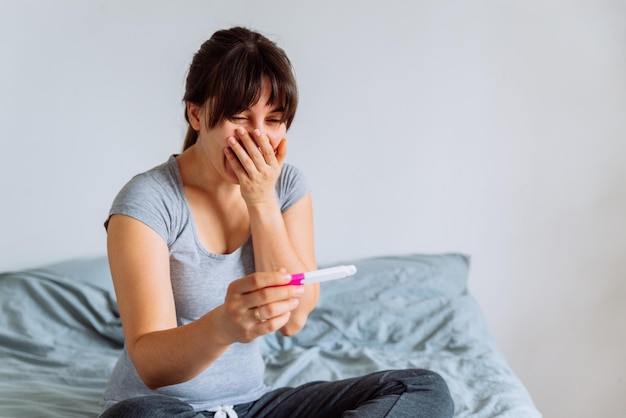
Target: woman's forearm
<point x="274" y="248"/>
<point x="176" y="355"/>
<point x="272" y="245"/>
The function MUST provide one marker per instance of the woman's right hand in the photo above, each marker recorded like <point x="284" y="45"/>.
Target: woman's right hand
<point x="258" y="304"/>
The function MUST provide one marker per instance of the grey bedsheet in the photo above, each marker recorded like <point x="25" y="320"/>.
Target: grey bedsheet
<point x="400" y="312"/>
<point x="60" y="336"/>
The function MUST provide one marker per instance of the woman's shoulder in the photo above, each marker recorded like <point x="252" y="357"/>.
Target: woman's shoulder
<point x="292" y="186"/>
<point x="291" y="172"/>
<point x="155" y="192"/>
<point x="158" y="182"/>
<point x="155" y="198"/>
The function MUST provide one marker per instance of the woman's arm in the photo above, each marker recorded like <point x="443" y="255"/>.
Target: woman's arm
<point x="162" y="352"/>
<point x="280" y="240"/>
<point x="286" y="240"/>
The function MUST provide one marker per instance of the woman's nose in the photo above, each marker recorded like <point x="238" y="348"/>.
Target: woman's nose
<point x="258" y="125"/>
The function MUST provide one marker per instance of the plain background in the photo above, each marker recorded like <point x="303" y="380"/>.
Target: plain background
<point x="492" y="128"/>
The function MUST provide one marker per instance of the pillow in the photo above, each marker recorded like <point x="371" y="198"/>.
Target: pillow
<point x="68" y="304"/>
<point x="93" y="271"/>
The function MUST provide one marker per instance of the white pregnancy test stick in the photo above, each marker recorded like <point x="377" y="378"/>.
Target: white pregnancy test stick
<point x="323" y="275"/>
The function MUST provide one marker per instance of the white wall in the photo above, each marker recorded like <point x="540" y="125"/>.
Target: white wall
<point x="496" y="129"/>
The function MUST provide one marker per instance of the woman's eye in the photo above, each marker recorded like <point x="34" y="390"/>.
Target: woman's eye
<point x="237" y="118"/>
<point x="275" y="120"/>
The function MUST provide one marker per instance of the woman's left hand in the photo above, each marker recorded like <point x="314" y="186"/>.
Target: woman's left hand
<point x="256" y="164"/>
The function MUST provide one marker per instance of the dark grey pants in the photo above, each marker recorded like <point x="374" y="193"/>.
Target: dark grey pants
<point x="412" y="393"/>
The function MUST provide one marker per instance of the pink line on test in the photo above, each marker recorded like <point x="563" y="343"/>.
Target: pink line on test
<point x="296" y="279"/>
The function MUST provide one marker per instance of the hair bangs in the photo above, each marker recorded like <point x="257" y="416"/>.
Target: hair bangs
<point x="240" y="87"/>
<point x="284" y="92"/>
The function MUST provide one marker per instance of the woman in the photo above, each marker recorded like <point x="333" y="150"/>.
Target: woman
<point x="201" y="249"/>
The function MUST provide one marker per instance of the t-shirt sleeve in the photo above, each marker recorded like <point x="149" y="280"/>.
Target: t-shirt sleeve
<point x="148" y="200"/>
<point x="291" y="186"/>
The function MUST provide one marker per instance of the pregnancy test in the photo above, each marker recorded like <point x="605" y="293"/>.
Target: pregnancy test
<point x="322" y="275"/>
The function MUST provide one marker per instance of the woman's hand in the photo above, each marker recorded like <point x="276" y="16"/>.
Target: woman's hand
<point x="256" y="163"/>
<point x="258" y="304"/>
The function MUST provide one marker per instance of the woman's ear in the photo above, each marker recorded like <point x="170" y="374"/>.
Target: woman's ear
<point x="194" y="114"/>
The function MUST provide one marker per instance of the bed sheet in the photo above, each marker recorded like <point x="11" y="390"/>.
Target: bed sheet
<point x="60" y="336"/>
<point x="401" y="312"/>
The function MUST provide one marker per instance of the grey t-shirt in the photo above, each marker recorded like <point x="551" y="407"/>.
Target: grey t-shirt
<point x="199" y="282"/>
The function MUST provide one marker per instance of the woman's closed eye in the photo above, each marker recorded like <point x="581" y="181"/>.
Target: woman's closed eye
<point x="275" y="118"/>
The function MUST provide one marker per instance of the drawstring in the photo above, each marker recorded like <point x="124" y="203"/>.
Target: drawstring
<point x="225" y="411"/>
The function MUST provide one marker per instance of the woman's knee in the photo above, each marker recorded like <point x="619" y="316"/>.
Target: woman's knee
<point x="421" y="378"/>
<point x="423" y="381"/>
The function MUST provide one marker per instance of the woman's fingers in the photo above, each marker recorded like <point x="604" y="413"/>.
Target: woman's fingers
<point x="273" y="310"/>
<point x="258" y="146"/>
<point x="256" y="281"/>
<point x="281" y="151"/>
<point x="255" y="148"/>
<point x="269" y="292"/>
<point x="270" y="325"/>
<point x="256" y="163"/>
<point x="260" y="303"/>
<point x="239" y="158"/>
<point x="271" y="317"/>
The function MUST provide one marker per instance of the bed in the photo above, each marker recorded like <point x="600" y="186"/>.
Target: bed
<point x="60" y="335"/>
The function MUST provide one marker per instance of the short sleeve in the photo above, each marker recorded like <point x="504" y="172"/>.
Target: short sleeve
<point x="153" y="199"/>
<point x="291" y="186"/>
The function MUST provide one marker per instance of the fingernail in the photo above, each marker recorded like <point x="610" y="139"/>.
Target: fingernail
<point x="299" y="290"/>
<point x="295" y="302"/>
<point x="286" y="277"/>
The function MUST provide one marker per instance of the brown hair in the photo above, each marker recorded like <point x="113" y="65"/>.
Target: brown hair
<point x="227" y="74"/>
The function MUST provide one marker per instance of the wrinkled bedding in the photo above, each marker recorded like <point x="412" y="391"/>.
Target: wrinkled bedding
<point x="60" y="336"/>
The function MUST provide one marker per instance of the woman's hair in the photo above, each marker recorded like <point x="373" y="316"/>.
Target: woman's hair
<point x="227" y="74"/>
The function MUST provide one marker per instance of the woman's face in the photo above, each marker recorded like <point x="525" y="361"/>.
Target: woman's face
<point x="260" y="116"/>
